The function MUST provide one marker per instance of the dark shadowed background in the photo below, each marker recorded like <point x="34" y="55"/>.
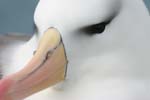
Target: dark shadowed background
<point x="16" y="16"/>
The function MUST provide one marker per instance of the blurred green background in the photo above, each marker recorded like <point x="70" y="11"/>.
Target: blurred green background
<point x="16" y="16"/>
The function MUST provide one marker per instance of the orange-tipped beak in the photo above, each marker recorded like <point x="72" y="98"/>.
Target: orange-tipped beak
<point x="46" y="68"/>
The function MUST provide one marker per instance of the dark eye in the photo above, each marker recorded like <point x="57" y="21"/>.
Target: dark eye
<point x="96" y="28"/>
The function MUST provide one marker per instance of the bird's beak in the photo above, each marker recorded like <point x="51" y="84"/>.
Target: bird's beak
<point x="46" y="68"/>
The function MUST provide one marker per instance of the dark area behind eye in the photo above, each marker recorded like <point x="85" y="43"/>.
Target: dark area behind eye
<point x="96" y="28"/>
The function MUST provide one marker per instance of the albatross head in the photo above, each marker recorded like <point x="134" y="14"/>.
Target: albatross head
<point x="99" y="39"/>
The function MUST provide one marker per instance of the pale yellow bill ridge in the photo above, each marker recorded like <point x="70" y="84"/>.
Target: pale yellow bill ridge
<point x="46" y="68"/>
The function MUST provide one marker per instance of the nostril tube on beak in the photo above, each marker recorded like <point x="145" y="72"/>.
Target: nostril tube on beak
<point x="46" y="68"/>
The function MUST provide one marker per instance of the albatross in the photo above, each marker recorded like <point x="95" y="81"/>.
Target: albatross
<point x="82" y="50"/>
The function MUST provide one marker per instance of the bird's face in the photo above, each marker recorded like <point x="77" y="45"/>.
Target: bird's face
<point x="89" y="30"/>
<point x="84" y="29"/>
<point x="85" y="26"/>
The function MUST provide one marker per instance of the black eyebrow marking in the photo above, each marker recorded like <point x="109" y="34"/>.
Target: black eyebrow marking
<point x="99" y="28"/>
<point x="96" y="28"/>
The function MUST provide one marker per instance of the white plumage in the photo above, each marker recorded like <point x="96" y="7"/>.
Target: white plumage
<point x="113" y="65"/>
